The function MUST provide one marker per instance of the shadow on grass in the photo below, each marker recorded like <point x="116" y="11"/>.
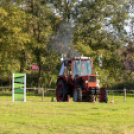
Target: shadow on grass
<point x="46" y="93"/>
<point x="5" y="94"/>
<point x="130" y="95"/>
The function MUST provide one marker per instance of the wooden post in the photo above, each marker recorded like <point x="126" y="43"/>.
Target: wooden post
<point x="42" y="94"/>
<point x="125" y="94"/>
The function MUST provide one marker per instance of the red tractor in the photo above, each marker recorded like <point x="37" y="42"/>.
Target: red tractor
<point x="77" y="79"/>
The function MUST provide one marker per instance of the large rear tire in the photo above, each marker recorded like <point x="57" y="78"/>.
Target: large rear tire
<point x="61" y="91"/>
<point x="91" y="98"/>
<point x="84" y="98"/>
<point x="104" y="95"/>
<point x="77" y="96"/>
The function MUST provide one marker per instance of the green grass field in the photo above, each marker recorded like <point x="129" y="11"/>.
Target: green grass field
<point x="37" y="117"/>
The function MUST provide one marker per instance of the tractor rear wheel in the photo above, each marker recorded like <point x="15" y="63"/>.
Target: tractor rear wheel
<point x="91" y="98"/>
<point x="77" y="96"/>
<point x="103" y="95"/>
<point x="61" y="91"/>
<point x="84" y="98"/>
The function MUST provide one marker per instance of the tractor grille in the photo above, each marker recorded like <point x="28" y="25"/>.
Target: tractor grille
<point x="91" y="78"/>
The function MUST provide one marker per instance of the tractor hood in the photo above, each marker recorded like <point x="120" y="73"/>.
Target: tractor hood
<point x="89" y="81"/>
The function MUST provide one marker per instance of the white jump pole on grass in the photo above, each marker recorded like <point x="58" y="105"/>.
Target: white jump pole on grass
<point x="124" y="94"/>
<point x="13" y="87"/>
<point x="113" y="96"/>
<point x="42" y="94"/>
<point x="25" y="87"/>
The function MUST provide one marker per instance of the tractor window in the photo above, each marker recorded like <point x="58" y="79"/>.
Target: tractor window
<point x="76" y="67"/>
<point x="86" y="67"/>
<point x="65" y="69"/>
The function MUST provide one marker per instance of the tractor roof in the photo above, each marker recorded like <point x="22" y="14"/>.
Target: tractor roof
<point x="77" y="58"/>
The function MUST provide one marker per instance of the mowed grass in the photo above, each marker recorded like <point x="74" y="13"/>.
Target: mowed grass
<point x="37" y="117"/>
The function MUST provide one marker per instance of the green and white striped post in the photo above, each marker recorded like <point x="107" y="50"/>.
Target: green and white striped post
<point x="19" y="87"/>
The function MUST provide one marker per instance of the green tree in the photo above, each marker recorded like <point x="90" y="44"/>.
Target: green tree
<point x="12" y="37"/>
<point x="64" y="8"/>
<point x="100" y="29"/>
<point x="41" y="21"/>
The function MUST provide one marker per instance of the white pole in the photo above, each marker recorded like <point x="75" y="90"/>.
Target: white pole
<point x="25" y="87"/>
<point x="42" y="94"/>
<point x="113" y="96"/>
<point x="125" y="94"/>
<point x="13" y="87"/>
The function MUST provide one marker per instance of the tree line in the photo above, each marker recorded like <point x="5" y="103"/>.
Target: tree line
<point x="37" y="33"/>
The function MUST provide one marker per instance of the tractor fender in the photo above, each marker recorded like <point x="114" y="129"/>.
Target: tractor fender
<point x="71" y="81"/>
<point x="61" y="78"/>
<point x="102" y="88"/>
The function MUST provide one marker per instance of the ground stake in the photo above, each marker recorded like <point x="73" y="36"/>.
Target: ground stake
<point x="68" y="98"/>
<point x="52" y="99"/>
<point x="94" y="100"/>
<point x="112" y="101"/>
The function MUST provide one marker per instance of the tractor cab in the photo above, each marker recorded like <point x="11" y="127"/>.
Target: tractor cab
<point x="77" y="66"/>
<point x="81" y="69"/>
<point x="77" y="78"/>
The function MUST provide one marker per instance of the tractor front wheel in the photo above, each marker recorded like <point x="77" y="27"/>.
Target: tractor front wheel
<point x="103" y="95"/>
<point x="77" y="96"/>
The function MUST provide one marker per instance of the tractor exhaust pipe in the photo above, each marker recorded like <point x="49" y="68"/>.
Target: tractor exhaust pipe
<point x="80" y="66"/>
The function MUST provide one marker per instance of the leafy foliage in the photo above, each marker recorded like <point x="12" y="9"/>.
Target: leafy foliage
<point x="100" y="30"/>
<point x="30" y="29"/>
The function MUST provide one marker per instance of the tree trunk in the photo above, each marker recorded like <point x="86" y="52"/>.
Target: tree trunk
<point x="39" y="81"/>
<point x="39" y="58"/>
<point x="40" y="70"/>
<point x="22" y="61"/>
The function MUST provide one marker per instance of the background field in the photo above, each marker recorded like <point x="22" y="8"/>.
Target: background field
<point x="36" y="116"/>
